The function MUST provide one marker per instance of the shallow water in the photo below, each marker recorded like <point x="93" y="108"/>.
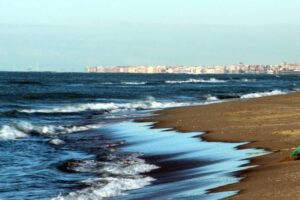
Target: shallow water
<point x="188" y="166"/>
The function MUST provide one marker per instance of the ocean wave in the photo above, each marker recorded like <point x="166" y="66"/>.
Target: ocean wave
<point x="211" y="80"/>
<point x="262" y="94"/>
<point x="212" y="98"/>
<point x="56" y="141"/>
<point x="101" y="188"/>
<point x="107" y="107"/>
<point x="117" y="177"/>
<point x="24" y="129"/>
<point x="130" y="165"/>
<point x="134" y="83"/>
<point x="248" y="80"/>
<point x="10" y="133"/>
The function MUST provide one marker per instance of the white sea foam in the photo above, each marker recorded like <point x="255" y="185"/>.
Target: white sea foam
<point x="11" y="133"/>
<point x="101" y="188"/>
<point x="211" y="80"/>
<point x="108" y="107"/>
<point x="134" y="83"/>
<point x="212" y="98"/>
<point x="129" y="166"/>
<point x="74" y="108"/>
<point x="24" y="129"/>
<point x="120" y="176"/>
<point x="56" y="141"/>
<point x="248" y="80"/>
<point x="56" y="130"/>
<point x="72" y="129"/>
<point x="262" y="94"/>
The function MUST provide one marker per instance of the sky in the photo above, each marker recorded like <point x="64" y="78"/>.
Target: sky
<point x="56" y="35"/>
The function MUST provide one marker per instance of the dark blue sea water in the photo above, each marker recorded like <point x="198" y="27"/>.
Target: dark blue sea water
<point x="72" y="135"/>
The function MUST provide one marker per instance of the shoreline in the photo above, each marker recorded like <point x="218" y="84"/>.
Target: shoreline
<point x="270" y="123"/>
<point x="183" y="167"/>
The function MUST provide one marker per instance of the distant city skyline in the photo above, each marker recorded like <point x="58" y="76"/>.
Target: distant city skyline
<point x="68" y="35"/>
<point x="241" y="68"/>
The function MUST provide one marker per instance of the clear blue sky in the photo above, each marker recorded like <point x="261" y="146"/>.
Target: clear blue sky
<point x="67" y="35"/>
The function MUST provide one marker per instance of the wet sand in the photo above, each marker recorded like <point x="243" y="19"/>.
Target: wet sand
<point x="271" y="123"/>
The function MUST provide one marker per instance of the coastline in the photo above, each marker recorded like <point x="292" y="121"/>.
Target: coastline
<point x="185" y="166"/>
<point x="270" y="123"/>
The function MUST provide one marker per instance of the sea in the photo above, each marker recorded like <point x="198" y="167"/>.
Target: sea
<point x="67" y="136"/>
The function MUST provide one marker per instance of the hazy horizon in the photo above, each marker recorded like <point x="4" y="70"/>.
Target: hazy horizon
<point x="68" y="35"/>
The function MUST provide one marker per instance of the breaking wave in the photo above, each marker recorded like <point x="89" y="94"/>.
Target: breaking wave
<point x="248" y="80"/>
<point x="220" y="98"/>
<point x="117" y="177"/>
<point x="107" y="107"/>
<point x="262" y="94"/>
<point x="134" y="83"/>
<point x="101" y="188"/>
<point x="212" y="98"/>
<point x="211" y="80"/>
<point x="10" y="133"/>
<point x="125" y="83"/>
<point x="124" y="166"/>
<point x="24" y="129"/>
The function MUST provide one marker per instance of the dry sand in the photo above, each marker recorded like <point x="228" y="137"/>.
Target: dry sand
<point x="271" y="123"/>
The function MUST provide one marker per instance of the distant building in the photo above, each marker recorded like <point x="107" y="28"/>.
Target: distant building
<point x="219" y="69"/>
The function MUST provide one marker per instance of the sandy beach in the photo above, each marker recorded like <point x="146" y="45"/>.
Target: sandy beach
<point x="271" y="123"/>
